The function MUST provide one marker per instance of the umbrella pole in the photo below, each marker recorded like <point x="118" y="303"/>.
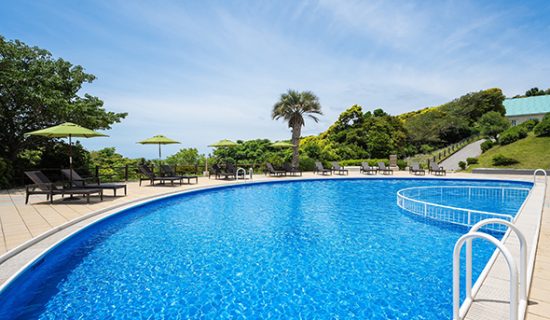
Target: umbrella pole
<point x="70" y="161"/>
<point x="160" y="157"/>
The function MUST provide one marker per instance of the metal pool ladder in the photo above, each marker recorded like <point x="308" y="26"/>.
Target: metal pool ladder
<point x="243" y="170"/>
<point x="517" y="304"/>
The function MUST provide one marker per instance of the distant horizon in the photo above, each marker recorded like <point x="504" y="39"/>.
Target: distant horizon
<point x="203" y="71"/>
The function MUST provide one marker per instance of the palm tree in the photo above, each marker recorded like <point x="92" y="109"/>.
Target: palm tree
<point x="292" y="107"/>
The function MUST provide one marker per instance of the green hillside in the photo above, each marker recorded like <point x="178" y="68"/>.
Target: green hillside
<point x="531" y="152"/>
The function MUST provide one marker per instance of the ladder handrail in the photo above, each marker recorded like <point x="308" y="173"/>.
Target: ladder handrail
<point x="545" y="176"/>
<point x="522" y="258"/>
<point x="456" y="272"/>
<point x="237" y="174"/>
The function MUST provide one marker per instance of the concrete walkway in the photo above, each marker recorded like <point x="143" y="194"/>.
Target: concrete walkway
<point x="470" y="151"/>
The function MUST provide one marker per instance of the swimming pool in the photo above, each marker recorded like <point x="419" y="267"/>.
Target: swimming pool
<point x="303" y="249"/>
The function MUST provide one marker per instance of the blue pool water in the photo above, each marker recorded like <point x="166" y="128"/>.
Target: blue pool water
<point x="319" y="249"/>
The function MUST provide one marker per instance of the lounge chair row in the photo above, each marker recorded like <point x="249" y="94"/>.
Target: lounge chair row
<point x="76" y="185"/>
<point x="230" y="171"/>
<point x="365" y="168"/>
<point x="287" y="169"/>
<point x="433" y="168"/>
<point x="169" y="175"/>
<point x="335" y="169"/>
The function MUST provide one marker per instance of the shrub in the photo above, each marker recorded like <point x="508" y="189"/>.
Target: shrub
<point x="402" y="164"/>
<point x="426" y="148"/>
<point x="306" y="163"/>
<point x="471" y="161"/>
<point x="512" y="135"/>
<point x="462" y="165"/>
<point x="543" y="128"/>
<point x="500" y="160"/>
<point x="529" y="124"/>
<point x="486" y="145"/>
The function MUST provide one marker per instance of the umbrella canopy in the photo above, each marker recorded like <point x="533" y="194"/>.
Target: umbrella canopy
<point x="160" y="140"/>
<point x="67" y="130"/>
<point x="282" y="144"/>
<point x="224" y="143"/>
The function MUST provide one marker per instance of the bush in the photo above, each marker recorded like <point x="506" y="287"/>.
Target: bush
<point x="512" y="135"/>
<point x="306" y="163"/>
<point x="486" y="145"/>
<point x="402" y="164"/>
<point x="500" y="160"/>
<point x="462" y="165"/>
<point x="471" y="161"/>
<point x="529" y="124"/>
<point x="543" y="128"/>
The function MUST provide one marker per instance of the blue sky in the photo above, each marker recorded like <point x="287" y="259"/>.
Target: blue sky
<point x="201" y="71"/>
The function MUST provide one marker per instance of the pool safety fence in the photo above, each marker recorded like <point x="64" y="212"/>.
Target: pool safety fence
<point x="411" y="200"/>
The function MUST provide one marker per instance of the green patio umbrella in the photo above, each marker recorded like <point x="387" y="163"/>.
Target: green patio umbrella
<point x="282" y="144"/>
<point x="224" y="143"/>
<point x="67" y="130"/>
<point x="160" y="140"/>
<point x="221" y="144"/>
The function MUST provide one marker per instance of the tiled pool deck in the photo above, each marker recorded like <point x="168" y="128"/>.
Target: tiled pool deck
<point x="20" y="223"/>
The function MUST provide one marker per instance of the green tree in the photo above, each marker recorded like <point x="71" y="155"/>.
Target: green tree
<point x="185" y="156"/>
<point x="292" y="107"/>
<point x="492" y="124"/>
<point x="536" y="92"/>
<point x="37" y="91"/>
<point x="542" y="129"/>
<point x="452" y="121"/>
<point x="112" y="164"/>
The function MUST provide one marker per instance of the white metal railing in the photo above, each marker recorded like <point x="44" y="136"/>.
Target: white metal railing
<point x="517" y="306"/>
<point x="461" y="216"/>
<point x="535" y="176"/>
<point x="243" y="170"/>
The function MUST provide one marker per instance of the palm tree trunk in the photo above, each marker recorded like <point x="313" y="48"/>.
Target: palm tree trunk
<point x="296" y="132"/>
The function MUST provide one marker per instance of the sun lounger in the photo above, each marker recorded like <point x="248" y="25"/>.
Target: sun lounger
<point x="320" y="169"/>
<point x="290" y="170"/>
<point x="415" y="169"/>
<point x="365" y="168"/>
<point x="338" y="169"/>
<point x="80" y="183"/>
<point x="43" y="185"/>
<point x="151" y="177"/>
<point x="382" y="168"/>
<point x="437" y="170"/>
<point x="231" y="170"/>
<point x="218" y="172"/>
<point x="169" y="171"/>
<point x="272" y="172"/>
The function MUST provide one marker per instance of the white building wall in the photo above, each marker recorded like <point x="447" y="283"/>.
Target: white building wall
<point x="515" y="120"/>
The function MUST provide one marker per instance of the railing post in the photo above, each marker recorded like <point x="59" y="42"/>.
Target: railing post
<point x="425" y="209"/>
<point x="126" y="173"/>
<point x="97" y="172"/>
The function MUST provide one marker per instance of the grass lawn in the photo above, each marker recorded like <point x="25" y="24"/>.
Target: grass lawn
<point x="531" y="152"/>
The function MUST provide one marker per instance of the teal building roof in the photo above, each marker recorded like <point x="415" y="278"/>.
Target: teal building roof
<point x="528" y="105"/>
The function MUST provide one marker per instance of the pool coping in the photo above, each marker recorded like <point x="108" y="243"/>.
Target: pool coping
<point x="78" y="224"/>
